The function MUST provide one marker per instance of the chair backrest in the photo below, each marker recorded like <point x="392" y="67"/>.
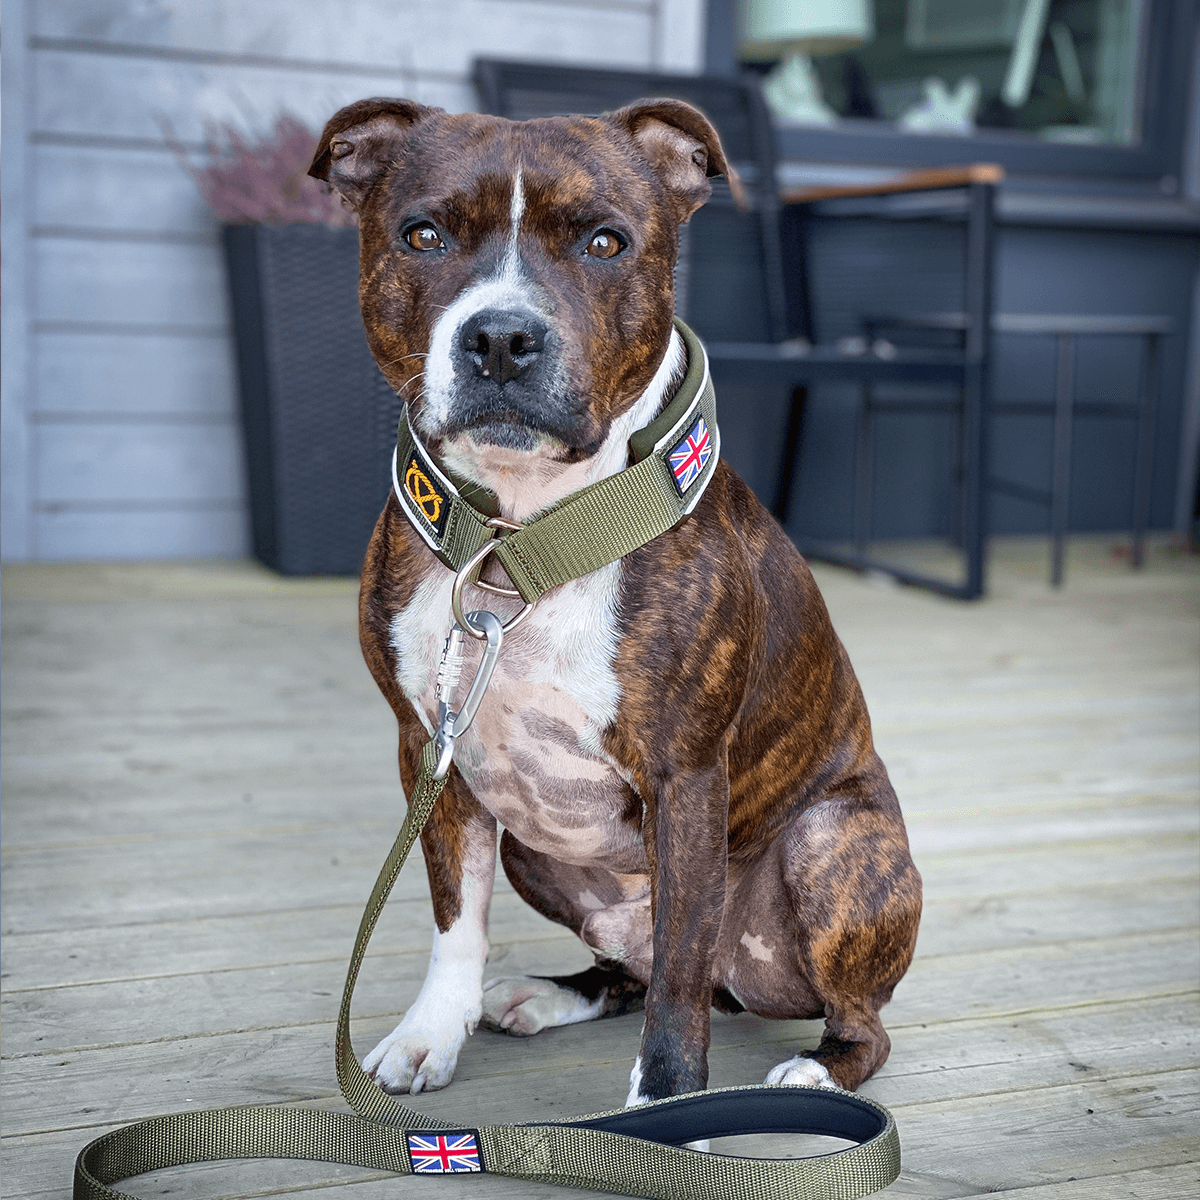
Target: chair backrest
<point x="730" y="282"/>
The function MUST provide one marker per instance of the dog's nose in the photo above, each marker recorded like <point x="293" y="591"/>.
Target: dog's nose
<point x="503" y="345"/>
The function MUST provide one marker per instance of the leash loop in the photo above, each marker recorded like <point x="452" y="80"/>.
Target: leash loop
<point x="471" y="567"/>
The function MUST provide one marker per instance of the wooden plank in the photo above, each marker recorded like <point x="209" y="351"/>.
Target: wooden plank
<point x="129" y="282"/>
<point x="264" y="932"/>
<point x="83" y="374"/>
<point x="96" y="461"/>
<point x="971" y="832"/>
<point x="1020" y="978"/>
<point x="1154" y="1183"/>
<point x="110" y="190"/>
<point x="375" y="34"/>
<point x="214" y="531"/>
<point x="127" y="96"/>
<point x="224" y="871"/>
<point x="581" y="1069"/>
<point x="909" y="181"/>
<point x="1012" y="869"/>
<point x="251" y="924"/>
<point x="1045" y="1135"/>
<point x="928" y="1066"/>
<point x="17" y="210"/>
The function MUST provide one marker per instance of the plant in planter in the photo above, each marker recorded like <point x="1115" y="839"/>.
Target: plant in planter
<point x="319" y="418"/>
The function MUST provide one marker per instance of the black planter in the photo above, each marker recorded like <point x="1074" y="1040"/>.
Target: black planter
<point x="319" y="418"/>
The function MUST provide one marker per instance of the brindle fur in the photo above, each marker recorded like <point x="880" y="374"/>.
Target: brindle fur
<point x="777" y="873"/>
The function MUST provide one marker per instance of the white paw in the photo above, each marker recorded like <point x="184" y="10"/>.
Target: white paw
<point x="415" y="1059"/>
<point x="635" y="1097"/>
<point x="523" y="1006"/>
<point x="799" y="1072"/>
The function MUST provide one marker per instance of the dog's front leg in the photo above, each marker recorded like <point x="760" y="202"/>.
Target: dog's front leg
<point x="459" y="844"/>
<point x="686" y="837"/>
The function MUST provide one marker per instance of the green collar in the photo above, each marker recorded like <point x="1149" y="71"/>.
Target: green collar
<point x="674" y="458"/>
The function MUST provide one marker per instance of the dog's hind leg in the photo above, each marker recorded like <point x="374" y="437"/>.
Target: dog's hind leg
<point x="857" y="898"/>
<point x="527" y="1004"/>
<point x="606" y="911"/>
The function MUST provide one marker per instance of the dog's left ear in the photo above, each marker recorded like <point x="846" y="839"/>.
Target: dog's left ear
<point x="683" y="148"/>
<point x="359" y="141"/>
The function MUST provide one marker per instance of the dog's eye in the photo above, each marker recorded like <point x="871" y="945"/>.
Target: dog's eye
<point x="605" y="244"/>
<point x="424" y="237"/>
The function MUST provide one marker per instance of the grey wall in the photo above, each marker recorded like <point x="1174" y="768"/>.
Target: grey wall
<point x="119" y="423"/>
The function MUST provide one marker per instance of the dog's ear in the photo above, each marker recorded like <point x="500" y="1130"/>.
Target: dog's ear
<point x="681" y="145"/>
<point x="359" y="141"/>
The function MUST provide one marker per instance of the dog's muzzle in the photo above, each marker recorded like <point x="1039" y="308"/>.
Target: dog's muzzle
<point x="509" y="379"/>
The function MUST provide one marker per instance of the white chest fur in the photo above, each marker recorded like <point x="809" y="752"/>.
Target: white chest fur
<point x="534" y="756"/>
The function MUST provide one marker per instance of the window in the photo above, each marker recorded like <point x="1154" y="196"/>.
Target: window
<point x="1047" y="86"/>
<point x="1063" y="70"/>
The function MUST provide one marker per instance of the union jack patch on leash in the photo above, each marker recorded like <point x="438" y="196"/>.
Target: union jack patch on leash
<point x="452" y="1153"/>
<point x="690" y="455"/>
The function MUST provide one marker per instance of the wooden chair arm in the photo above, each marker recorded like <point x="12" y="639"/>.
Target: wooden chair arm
<point x="910" y="181"/>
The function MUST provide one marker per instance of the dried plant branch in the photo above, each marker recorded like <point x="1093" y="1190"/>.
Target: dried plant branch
<point x="262" y="180"/>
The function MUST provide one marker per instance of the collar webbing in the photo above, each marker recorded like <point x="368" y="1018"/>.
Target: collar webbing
<point x="674" y="459"/>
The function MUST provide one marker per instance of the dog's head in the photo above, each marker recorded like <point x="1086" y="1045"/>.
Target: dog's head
<point x="516" y="277"/>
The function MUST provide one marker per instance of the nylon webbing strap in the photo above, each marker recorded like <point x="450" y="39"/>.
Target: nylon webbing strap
<point x="635" y="1152"/>
<point x="676" y="457"/>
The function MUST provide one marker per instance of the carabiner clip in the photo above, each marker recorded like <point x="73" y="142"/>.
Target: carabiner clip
<point x="452" y="723"/>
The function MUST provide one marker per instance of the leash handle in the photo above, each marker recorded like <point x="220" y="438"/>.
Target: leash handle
<point x="635" y="1152"/>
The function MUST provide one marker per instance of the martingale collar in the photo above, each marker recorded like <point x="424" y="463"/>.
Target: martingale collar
<point x="674" y="458"/>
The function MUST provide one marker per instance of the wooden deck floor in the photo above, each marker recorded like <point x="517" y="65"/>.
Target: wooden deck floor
<point x="200" y="785"/>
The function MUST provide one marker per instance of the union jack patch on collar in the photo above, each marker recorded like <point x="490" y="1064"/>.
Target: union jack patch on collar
<point x="690" y="455"/>
<point x="450" y="1153"/>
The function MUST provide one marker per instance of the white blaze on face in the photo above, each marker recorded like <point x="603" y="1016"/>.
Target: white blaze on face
<point x="516" y="210"/>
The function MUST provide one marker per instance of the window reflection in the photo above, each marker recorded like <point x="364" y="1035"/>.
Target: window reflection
<point x="1064" y="70"/>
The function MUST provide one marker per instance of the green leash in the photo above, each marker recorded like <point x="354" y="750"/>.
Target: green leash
<point x="635" y="1151"/>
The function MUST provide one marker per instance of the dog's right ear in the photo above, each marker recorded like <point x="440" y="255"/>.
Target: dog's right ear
<point x="359" y="141"/>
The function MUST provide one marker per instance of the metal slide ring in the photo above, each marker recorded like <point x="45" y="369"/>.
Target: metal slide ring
<point x="463" y="577"/>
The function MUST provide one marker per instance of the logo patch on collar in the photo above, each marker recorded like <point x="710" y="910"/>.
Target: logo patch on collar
<point x="689" y="456"/>
<point x="452" y="1153"/>
<point x="425" y="494"/>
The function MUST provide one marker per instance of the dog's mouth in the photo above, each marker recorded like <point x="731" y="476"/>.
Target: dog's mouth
<point x="516" y="417"/>
<point x="507" y="430"/>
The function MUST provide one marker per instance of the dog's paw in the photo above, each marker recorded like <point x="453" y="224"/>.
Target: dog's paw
<point x="523" y="1005"/>
<point x="799" y="1072"/>
<point x="414" y="1060"/>
<point x="635" y="1097"/>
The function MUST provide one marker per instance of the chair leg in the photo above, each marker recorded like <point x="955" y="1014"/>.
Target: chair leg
<point x="864" y="469"/>
<point x="1145" y="452"/>
<point x="791" y="448"/>
<point x="1060" y="487"/>
<point x="960" y="474"/>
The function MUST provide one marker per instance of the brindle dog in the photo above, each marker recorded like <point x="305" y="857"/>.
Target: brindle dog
<point x="676" y="745"/>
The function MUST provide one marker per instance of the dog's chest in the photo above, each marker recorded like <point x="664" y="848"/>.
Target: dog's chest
<point x="534" y="756"/>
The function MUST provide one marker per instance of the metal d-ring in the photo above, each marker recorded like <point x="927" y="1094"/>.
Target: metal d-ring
<point x="464" y="577"/>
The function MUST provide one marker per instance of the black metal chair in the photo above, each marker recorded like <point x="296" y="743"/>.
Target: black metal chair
<point x="1063" y="409"/>
<point x="732" y="287"/>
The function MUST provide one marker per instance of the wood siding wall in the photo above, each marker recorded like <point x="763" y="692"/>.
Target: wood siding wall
<point x="120" y="406"/>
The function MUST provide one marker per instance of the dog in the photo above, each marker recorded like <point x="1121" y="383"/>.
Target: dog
<point x="675" y="744"/>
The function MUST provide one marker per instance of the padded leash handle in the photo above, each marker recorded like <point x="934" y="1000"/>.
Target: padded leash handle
<point x="635" y="1152"/>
